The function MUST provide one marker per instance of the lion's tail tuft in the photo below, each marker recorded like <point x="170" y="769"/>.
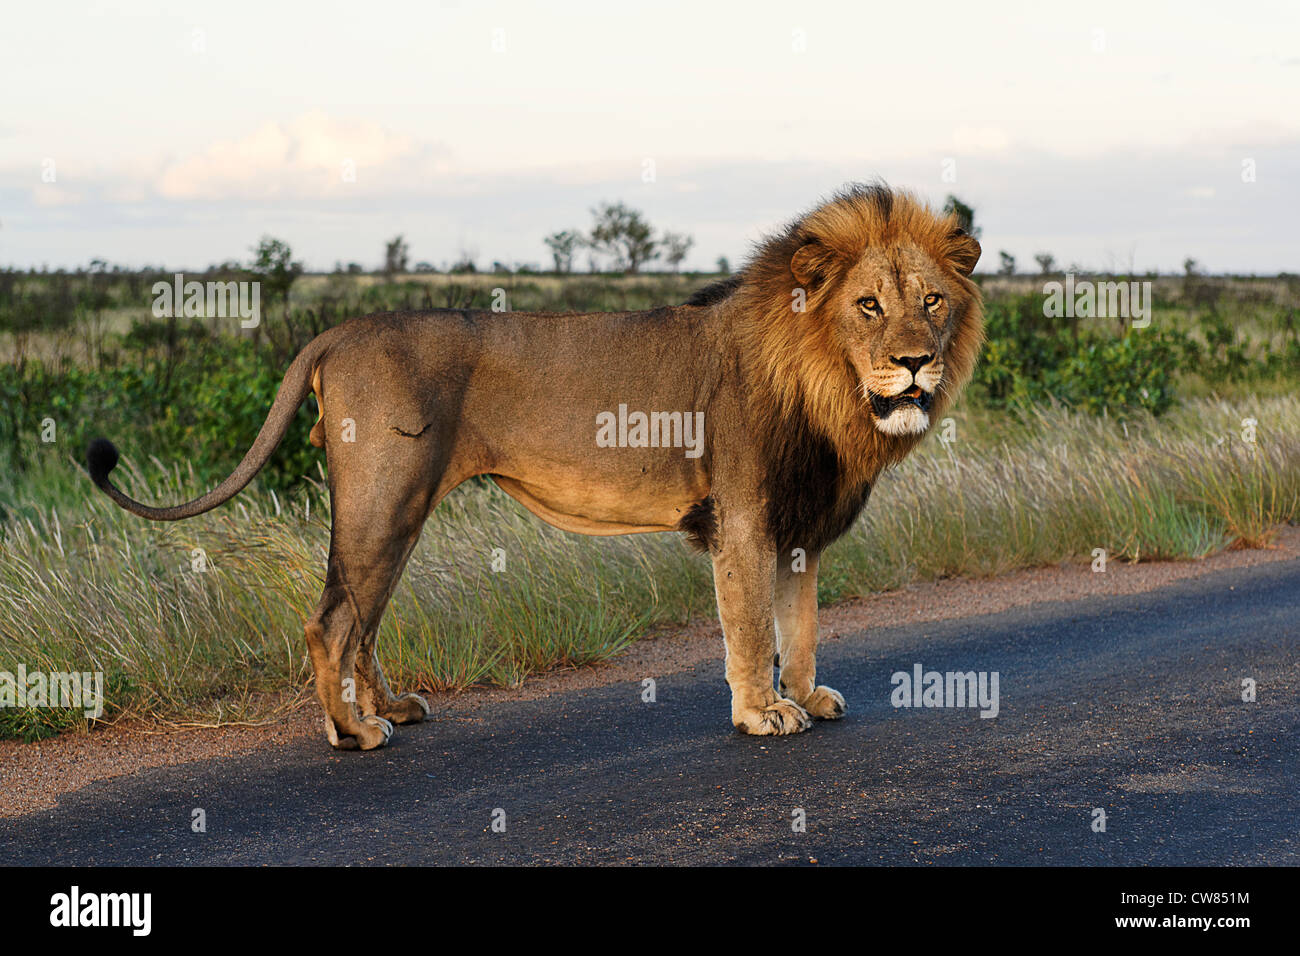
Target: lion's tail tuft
<point x="101" y="458"/>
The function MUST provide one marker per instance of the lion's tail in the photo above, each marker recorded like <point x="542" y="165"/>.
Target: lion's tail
<point x="101" y="456"/>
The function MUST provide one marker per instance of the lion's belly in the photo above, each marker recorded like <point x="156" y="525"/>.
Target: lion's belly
<point x="603" y="508"/>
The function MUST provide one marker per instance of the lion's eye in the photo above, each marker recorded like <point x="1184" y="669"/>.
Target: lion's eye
<point x="932" y="300"/>
<point x="868" y="303"/>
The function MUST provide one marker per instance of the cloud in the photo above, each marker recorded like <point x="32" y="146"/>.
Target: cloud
<point x="48" y="194"/>
<point x="1137" y="208"/>
<point x="315" y="156"/>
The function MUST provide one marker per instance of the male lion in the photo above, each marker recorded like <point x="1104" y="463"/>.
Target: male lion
<point x="816" y="367"/>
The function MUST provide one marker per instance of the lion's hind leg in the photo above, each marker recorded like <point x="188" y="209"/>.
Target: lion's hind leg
<point x="377" y="521"/>
<point x="373" y="693"/>
<point x="333" y="656"/>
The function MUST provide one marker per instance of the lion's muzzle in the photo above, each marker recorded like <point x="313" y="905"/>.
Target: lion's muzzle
<point x="907" y="413"/>
<point x="885" y="405"/>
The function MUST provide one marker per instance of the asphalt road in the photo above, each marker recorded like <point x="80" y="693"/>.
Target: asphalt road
<point x="1130" y="704"/>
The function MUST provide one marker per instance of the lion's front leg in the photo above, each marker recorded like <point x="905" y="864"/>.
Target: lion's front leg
<point x="796" y="624"/>
<point x="744" y="566"/>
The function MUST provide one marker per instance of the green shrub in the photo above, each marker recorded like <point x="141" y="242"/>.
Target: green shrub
<point x="202" y="406"/>
<point x="1031" y="359"/>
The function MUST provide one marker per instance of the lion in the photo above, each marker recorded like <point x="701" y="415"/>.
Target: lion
<point x="818" y="365"/>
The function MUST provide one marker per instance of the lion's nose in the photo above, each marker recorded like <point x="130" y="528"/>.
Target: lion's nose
<point x="913" y="363"/>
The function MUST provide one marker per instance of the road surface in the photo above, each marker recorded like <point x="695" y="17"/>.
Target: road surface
<point x="1131" y="705"/>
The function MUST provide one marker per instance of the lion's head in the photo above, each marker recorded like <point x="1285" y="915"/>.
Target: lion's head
<point x="892" y="308"/>
<point x="862" y="312"/>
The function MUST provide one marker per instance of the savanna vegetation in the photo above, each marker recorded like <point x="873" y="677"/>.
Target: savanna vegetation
<point x="1172" y="440"/>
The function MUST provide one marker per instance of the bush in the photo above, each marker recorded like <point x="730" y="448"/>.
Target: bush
<point x="203" y="406"/>
<point x="1031" y="359"/>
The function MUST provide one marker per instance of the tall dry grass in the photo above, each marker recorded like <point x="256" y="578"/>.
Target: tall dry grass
<point x="201" y="621"/>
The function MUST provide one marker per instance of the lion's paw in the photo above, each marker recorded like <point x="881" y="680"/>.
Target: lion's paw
<point x="407" y="709"/>
<point x="825" y="703"/>
<point x="375" y="732"/>
<point x="783" y="716"/>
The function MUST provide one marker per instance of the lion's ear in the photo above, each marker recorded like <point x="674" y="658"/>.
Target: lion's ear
<point x="962" y="251"/>
<point x="811" y="262"/>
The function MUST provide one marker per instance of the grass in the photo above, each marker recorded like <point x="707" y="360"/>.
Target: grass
<point x="1055" y="486"/>
<point x="201" y="621"/>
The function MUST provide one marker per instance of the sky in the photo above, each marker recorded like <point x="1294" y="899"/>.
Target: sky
<point x="1112" y="135"/>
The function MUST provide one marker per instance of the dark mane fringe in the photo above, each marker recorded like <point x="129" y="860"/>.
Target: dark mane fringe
<point x="812" y="498"/>
<point x="700" y="525"/>
<point x="715" y="292"/>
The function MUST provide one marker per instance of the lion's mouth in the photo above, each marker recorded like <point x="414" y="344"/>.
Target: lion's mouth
<point x="886" y="405"/>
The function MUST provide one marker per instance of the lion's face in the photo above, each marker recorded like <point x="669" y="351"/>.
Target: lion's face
<point x="892" y="313"/>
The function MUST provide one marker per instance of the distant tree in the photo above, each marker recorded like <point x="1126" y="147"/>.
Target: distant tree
<point x="464" y="263"/>
<point x="965" y="215"/>
<point x="1008" y="267"/>
<point x="355" y="269"/>
<point x="425" y="267"/>
<point x="564" y="245"/>
<point x="1199" y="289"/>
<point x="724" y="265"/>
<point x="499" y="267"/>
<point x="273" y="264"/>
<point x="676" y="246"/>
<point x="1046" y="262"/>
<point x="93" y="305"/>
<point x="622" y="233"/>
<point x="225" y="267"/>
<point x="396" y="253"/>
